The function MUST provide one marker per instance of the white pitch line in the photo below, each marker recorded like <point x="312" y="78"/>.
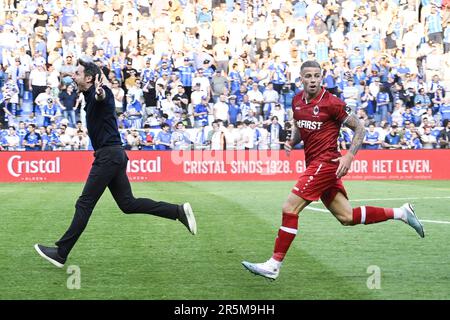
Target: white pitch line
<point x="430" y="221"/>
<point x="317" y="209"/>
<point x="394" y="199"/>
<point x="435" y="221"/>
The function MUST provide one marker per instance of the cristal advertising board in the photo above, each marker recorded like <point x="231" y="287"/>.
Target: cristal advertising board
<point x="68" y="166"/>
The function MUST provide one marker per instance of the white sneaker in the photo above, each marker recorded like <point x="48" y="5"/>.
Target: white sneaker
<point x="187" y="218"/>
<point x="412" y="220"/>
<point x="266" y="269"/>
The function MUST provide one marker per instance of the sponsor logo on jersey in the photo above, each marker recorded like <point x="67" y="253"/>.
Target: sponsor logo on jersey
<point x="17" y="167"/>
<point x="311" y="125"/>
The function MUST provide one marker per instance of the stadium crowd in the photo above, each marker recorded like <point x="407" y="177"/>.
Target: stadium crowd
<point x="208" y="74"/>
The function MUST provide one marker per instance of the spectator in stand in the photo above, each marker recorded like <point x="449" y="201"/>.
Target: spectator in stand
<point x="37" y="82"/>
<point x="397" y="113"/>
<point x="50" y="112"/>
<point x="180" y="139"/>
<point x="351" y="94"/>
<point x="80" y="141"/>
<point x="234" y="78"/>
<point x="197" y="95"/>
<point x="187" y="72"/>
<point x="234" y="111"/>
<point x="437" y="99"/>
<point x="271" y="97"/>
<point x="368" y="102"/>
<point x="444" y="110"/>
<point x="418" y="111"/>
<point x="134" y="112"/>
<point x="383" y="101"/>
<point x="428" y="140"/>
<point x="416" y="142"/>
<point x="67" y="70"/>
<point x="148" y="139"/>
<point x="277" y="136"/>
<point x="372" y="139"/>
<point x="256" y="99"/>
<point x="392" y="140"/>
<point x="32" y="140"/>
<point x="134" y="140"/>
<point x="444" y="137"/>
<point x="220" y="109"/>
<point x="216" y="137"/>
<point x="201" y="112"/>
<point x="68" y="103"/>
<point x="119" y="95"/>
<point x="163" y="138"/>
<point x="65" y="138"/>
<point x="11" y="141"/>
<point x="219" y="84"/>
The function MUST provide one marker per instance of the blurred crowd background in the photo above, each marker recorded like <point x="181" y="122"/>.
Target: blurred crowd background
<point x="205" y="74"/>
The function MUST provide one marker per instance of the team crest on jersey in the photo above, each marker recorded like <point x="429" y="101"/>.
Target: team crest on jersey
<point x="316" y="110"/>
<point x="348" y="109"/>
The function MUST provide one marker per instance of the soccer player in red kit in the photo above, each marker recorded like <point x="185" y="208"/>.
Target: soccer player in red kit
<point x="318" y="116"/>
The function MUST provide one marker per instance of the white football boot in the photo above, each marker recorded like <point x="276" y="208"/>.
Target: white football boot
<point x="266" y="269"/>
<point x="412" y="220"/>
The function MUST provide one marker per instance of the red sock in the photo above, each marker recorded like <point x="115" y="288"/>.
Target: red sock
<point x="368" y="215"/>
<point x="286" y="235"/>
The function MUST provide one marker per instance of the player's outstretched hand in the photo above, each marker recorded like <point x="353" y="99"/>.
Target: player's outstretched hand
<point x="344" y="164"/>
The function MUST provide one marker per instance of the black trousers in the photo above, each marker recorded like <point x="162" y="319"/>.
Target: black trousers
<point x="35" y="91"/>
<point x="109" y="170"/>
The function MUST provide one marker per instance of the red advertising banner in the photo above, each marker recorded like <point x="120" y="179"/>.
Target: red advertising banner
<point x="67" y="166"/>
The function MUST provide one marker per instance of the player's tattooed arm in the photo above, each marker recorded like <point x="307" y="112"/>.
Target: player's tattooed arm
<point x="356" y="126"/>
<point x="295" y="139"/>
<point x="345" y="161"/>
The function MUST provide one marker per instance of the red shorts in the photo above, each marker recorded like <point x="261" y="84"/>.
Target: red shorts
<point x="319" y="181"/>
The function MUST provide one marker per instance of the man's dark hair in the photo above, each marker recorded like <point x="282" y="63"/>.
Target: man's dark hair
<point x="445" y="122"/>
<point x="164" y="125"/>
<point x="90" y="68"/>
<point x="310" y="64"/>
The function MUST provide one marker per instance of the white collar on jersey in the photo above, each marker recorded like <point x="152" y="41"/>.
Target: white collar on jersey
<point x="320" y="99"/>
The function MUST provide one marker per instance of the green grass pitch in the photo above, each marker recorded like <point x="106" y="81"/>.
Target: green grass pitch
<point x="145" y="257"/>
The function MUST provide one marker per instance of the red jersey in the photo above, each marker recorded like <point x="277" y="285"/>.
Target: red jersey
<point x="319" y="122"/>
